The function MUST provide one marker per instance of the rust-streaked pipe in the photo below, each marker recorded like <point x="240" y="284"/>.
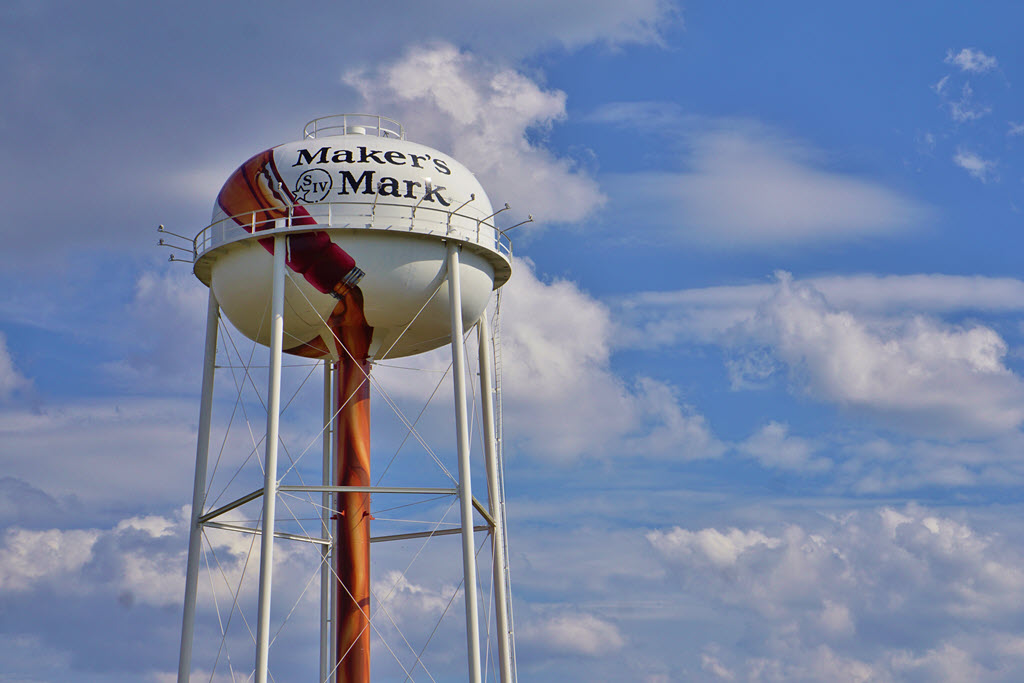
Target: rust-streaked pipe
<point x="352" y="527"/>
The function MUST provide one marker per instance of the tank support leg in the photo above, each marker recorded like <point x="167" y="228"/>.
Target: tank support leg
<point x="465" y="487"/>
<point x="195" y="533"/>
<point x="270" y="465"/>
<point x="326" y="664"/>
<point x="494" y="499"/>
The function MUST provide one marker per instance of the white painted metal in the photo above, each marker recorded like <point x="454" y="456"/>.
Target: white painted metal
<point x="325" y="530"/>
<point x="465" y="484"/>
<point x="195" y="533"/>
<point x="494" y="498"/>
<point x="402" y="271"/>
<point x="270" y="466"/>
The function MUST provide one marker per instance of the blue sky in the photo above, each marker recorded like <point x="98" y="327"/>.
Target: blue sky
<point x="763" y="377"/>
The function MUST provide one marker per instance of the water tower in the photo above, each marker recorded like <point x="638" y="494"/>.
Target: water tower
<point x="353" y="246"/>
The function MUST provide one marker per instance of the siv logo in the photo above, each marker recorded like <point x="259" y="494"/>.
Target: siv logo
<point x="313" y="186"/>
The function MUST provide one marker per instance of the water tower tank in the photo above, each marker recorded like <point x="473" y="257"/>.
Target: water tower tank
<point x="361" y="205"/>
<point x="353" y="245"/>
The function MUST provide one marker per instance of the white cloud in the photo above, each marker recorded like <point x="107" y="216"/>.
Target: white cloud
<point x="964" y="109"/>
<point x="875" y="353"/>
<point x="522" y="28"/>
<point x="574" y="634"/>
<point x="944" y="663"/>
<point x="914" y="373"/>
<point x="874" y="594"/>
<point x="10" y="379"/>
<point x="773" y="446"/>
<point x="560" y="392"/>
<point x="1015" y="129"/>
<point x="562" y="398"/>
<point x="486" y="116"/>
<point x="406" y="601"/>
<point x="27" y="556"/>
<point x="974" y="164"/>
<point x="710" y="663"/>
<point x="972" y="60"/>
<point x="134" y="450"/>
<point x="709" y="545"/>
<point x="168" y="307"/>
<point x="710" y="311"/>
<point x="747" y="188"/>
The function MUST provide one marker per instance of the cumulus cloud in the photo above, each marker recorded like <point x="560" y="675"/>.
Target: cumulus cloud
<point x="978" y="167"/>
<point x="489" y="117"/>
<point x="405" y="601"/>
<point x="561" y="393"/>
<point x="28" y="557"/>
<point x="562" y="397"/>
<point x="129" y="576"/>
<point x="972" y="60"/>
<point x="141" y="449"/>
<point x="773" y="446"/>
<point x="574" y="634"/>
<point x="875" y="354"/>
<point x="705" y="314"/>
<point x="749" y="188"/>
<point x="915" y="372"/>
<point x="168" y="312"/>
<point x="11" y="380"/>
<point x="709" y="545"/>
<point x="876" y="594"/>
<point x="138" y="559"/>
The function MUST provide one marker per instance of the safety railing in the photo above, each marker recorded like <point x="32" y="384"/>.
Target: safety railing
<point x="341" y="124"/>
<point x="377" y="216"/>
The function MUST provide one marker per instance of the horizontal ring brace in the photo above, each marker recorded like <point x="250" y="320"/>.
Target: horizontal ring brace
<point x="424" y="534"/>
<point x="369" y="489"/>
<point x="327" y="542"/>
<point x="259" y="532"/>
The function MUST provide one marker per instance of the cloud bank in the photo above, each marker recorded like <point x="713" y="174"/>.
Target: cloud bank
<point x="488" y="116"/>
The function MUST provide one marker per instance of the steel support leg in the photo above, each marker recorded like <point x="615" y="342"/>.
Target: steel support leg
<point x="326" y="580"/>
<point x="465" y="486"/>
<point x="270" y="467"/>
<point x="494" y="498"/>
<point x="195" y="533"/>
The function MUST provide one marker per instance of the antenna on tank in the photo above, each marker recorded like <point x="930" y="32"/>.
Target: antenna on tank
<point x="164" y="243"/>
<point x="529" y="219"/>
<point x="376" y="196"/>
<point x="417" y="205"/>
<point x="504" y="208"/>
<point x="471" y="198"/>
<point x="161" y="228"/>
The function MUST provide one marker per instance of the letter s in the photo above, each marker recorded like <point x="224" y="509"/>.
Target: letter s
<point x="442" y="167"/>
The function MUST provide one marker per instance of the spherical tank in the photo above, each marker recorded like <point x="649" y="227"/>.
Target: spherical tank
<point x="362" y="211"/>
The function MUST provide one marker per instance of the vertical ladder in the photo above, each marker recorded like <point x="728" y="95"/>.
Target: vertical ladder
<point x="499" y="432"/>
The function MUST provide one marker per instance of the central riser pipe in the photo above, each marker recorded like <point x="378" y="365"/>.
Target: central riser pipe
<point x="352" y="468"/>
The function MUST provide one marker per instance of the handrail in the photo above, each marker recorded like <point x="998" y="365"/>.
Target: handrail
<point x="340" y="215"/>
<point x="317" y="127"/>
